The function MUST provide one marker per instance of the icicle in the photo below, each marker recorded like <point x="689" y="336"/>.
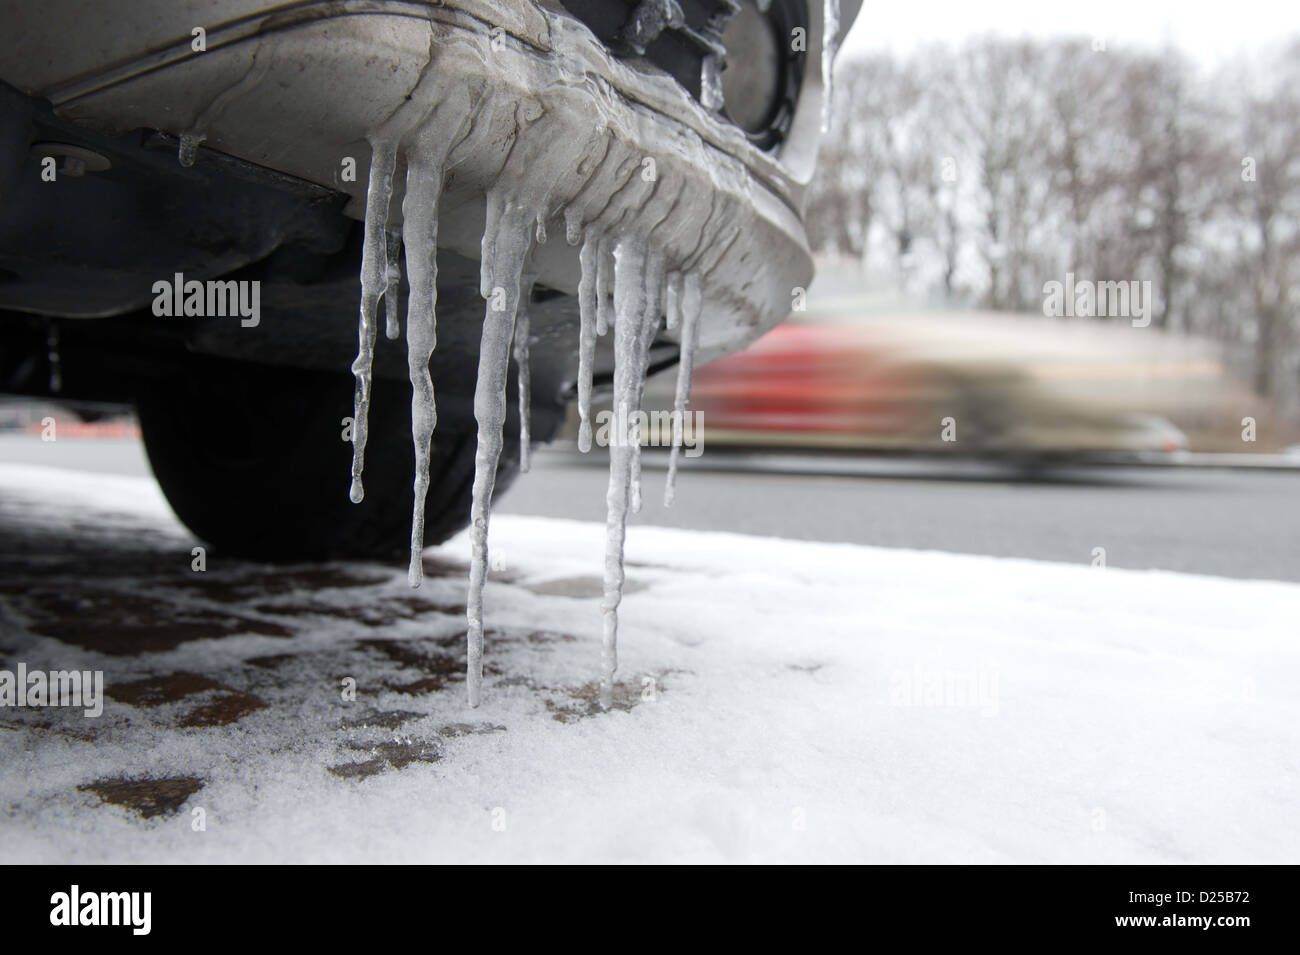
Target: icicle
<point x="505" y="247"/>
<point x="673" y="300"/>
<point x="634" y="475"/>
<point x="604" y="293"/>
<point x="689" y="312"/>
<point x="487" y="245"/>
<point x="379" y="190"/>
<point x="649" y="326"/>
<point x="188" y="148"/>
<point x="830" y="43"/>
<point x="393" y="290"/>
<point x="631" y="344"/>
<point x="587" y="305"/>
<point x="424" y="174"/>
<point x="572" y="225"/>
<point x="522" y="371"/>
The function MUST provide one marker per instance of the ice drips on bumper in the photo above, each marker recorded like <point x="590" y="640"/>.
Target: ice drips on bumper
<point x="648" y="240"/>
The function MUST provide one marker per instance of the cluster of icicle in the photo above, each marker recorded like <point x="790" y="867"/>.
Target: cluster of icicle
<point x="626" y="286"/>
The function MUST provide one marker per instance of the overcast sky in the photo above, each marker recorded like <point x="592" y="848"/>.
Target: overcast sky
<point x="1208" y="31"/>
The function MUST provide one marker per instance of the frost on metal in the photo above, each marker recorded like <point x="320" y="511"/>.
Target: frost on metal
<point x="645" y="246"/>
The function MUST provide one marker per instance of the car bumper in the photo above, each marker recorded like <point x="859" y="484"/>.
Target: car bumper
<point x="299" y="87"/>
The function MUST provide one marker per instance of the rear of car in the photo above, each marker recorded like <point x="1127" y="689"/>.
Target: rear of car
<point x="187" y="191"/>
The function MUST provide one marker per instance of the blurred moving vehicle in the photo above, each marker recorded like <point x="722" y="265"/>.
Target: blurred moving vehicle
<point x="229" y="142"/>
<point x="975" y="383"/>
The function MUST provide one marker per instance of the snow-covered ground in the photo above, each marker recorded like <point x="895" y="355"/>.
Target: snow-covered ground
<point x="780" y="701"/>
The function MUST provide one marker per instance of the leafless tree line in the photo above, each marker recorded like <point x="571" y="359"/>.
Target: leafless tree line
<point x="976" y="175"/>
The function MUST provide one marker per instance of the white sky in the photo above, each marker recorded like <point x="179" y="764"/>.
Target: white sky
<point x="1209" y="31"/>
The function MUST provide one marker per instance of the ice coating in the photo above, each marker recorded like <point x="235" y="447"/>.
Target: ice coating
<point x="688" y="311"/>
<point x="424" y="173"/>
<point x="711" y="93"/>
<point x="506" y="242"/>
<point x="830" y="44"/>
<point x="374" y="256"/>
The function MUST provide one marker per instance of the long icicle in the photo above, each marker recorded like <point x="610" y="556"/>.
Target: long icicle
<point x="393" y="287"/>
<point x="630" y="308"/>
<point x="688" y="307"/>
<point x="506" y="243"/>
<point x="420" y="234"/>
<point x="379" y="190"/>
<point x="587" y="305"/>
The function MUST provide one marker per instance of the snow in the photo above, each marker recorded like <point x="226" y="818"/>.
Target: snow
<point x="1117" y="716"/>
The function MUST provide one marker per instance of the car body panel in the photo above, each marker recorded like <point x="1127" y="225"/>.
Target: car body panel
<point x="298" y="87"/>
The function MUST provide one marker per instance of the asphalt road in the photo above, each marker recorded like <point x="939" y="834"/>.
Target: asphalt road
<point x="1230" y="523"/>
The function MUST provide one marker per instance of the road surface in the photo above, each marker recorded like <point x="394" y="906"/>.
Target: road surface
<point x="1242" y="524"/>
<point x="1226" y="523"/>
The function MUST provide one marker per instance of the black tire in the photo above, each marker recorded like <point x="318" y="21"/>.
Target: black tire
<point x="252" y="461"/>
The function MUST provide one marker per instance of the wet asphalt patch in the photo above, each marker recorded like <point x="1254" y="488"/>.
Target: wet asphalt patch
<point x="148" y="797"/>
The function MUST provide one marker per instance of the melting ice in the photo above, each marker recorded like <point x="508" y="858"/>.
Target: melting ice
<point x="630" y="231"/>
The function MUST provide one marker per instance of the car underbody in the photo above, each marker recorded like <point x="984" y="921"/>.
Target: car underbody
<point x="282" y="102"/>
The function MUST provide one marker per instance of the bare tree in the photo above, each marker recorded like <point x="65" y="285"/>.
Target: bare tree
<point x="979" y="174"/>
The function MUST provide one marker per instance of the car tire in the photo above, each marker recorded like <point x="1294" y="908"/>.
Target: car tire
<point x="252" y="460"/>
